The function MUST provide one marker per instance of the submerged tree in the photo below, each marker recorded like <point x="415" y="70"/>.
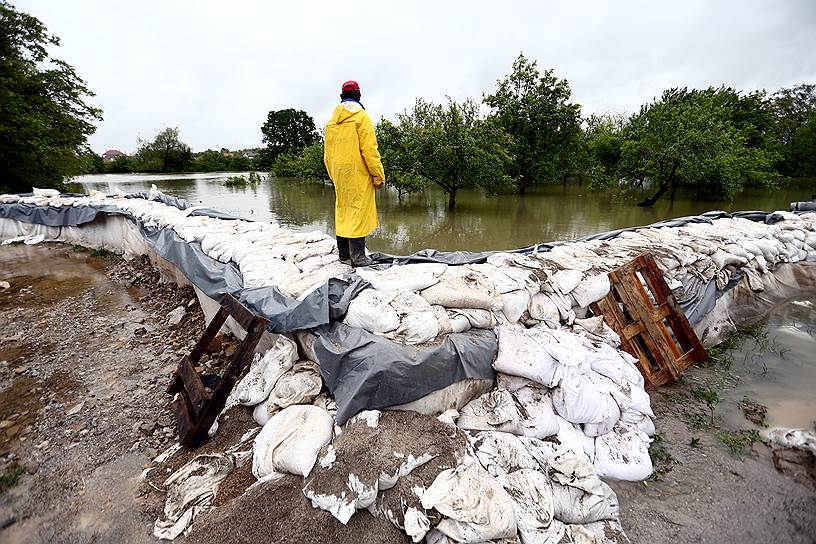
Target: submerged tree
<point x="44" y="120"/>
<point x="449" y="146"/>
<point x="166" y="153"/>
<point x="690" y="138"/>
<point x="535" y="110"/>
<point x="794" y="129"/>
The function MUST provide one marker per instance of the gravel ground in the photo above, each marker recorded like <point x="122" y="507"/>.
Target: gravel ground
<point x="86" y="352"/>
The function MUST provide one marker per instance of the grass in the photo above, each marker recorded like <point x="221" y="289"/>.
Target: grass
<point x="235" y="181"/>
<point x="695" y="442"/>
<point x="103" y="253"/>
<point x="736" y="442"/>
<point x="10" y="478"/>
<point x="710" y="396"/>
<point x="662" y="459"/>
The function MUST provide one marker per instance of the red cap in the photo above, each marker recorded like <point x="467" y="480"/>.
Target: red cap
<point x="350" y="86"/>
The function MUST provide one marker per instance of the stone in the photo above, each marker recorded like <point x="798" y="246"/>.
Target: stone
<point x="4" y="285"/>
<point x="175" y="317"/>
<point x="42" y="445"/>
<point x="5" y="424"/>
<point x="7" y="517"/>
<point x="20" y="369"/>
<point x="147" y="427"/>
<point x="75" y="410"/>
<point x="32" y="467"/>
<point x="141" y="331"/>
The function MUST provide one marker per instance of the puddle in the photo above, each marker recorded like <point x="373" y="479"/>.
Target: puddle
<point x="23" y="401"/>
<point x="777" y="368"/>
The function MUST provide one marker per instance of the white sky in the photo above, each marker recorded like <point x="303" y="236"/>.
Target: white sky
<point x="216" y="68"/>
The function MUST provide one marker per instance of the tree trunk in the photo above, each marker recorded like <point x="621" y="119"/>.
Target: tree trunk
<point x="651" y="200"/>
<point x="674" y="190"/>
<point x="522" y="185"/>
<point x="452" y="198"/>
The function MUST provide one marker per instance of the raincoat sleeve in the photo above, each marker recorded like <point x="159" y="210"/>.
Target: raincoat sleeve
<point x="368" y="148"/>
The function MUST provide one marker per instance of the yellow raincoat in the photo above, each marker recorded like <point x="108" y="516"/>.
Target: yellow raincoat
<point x="354" y="166"/>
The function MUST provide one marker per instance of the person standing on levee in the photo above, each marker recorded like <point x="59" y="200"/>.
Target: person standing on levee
<point x="354" y="166"/>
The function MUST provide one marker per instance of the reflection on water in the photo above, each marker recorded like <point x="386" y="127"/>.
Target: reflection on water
<point x="415" y="222"/>
<point x="778" y="368"/>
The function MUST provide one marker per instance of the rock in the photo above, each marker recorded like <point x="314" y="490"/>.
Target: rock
<point x="32" y="467"/>
<point x="42" y="445"/>
<point x="7" y="517"/>
<point x="4" y="285"/>
<point x="175" y="317"/>
<point x="5" y="424"/>
<point x="20" y="369"/>
<point x="147" y="427"/>
<point x="141" y="331"/>
<point x="75" y="409"/>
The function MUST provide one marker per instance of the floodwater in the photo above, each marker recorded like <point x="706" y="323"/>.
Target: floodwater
<point x="776" y="366"/>
<point x="414" y="222"/>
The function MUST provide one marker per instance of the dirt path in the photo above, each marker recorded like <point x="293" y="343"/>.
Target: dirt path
<point x="85" y="354"/>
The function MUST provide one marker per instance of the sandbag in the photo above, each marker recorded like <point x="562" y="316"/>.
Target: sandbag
<point x="503" y="453"/>
<point x="623" y="454"/>
<point x="410" y="277"/>
<point x="581" y="400"/>
<point x="567" y="280"/>
<point x="514" y="304"/>
<point x="264" y="372"/>
<point x="299" y="385"/>
<point x="371" y="311"/>
<point x="544" y="309"/>
<point x="469" y="291"/>
<point x="475" y="506"/>
<point x="535" y="408"/>
<point x="591" y="289"/>
<point x="493" y="411"/>
<point x="290" y="441"/>
<point x="533" y="504"/>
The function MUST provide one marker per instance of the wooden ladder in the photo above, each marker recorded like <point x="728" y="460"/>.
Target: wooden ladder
<point x="196" y="407"/>
<point x="650" y="323"/>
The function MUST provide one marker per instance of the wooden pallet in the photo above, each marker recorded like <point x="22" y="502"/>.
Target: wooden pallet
<point x="651" y="325"/>
<point x="196" y="407"/>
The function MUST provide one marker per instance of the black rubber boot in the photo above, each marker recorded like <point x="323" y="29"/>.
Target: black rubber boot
<point x="357" y="251"/>
<point x="343" y="250"/>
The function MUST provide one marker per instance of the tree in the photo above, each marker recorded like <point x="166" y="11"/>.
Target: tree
<point x="120" y="165"/>
<point x="166" y="153"/>
<point x="602" y="148"/>
<point x="451" y="147"/>
<point x="288" y="131"/>
<point x="44" y="121"/>
<point x="94" y="164"/>
<point x="398" y="158"/>
<point x="794" y="129"/>
<point x="309" y="164"/>
<point x="210" y="161"/>
<point x="690" y="138"/>
<point x="545" y="127"/>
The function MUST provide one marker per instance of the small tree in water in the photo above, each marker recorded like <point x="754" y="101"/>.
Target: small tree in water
<point x="449" y="146"/>
<point x="698" y="139"/>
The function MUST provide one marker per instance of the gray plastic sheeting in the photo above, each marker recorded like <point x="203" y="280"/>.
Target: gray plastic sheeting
<point x="379" y="373"/>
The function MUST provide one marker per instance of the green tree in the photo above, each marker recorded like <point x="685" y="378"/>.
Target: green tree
<point x="690" y="138"/>
<point x="210" y="161"/>
<point x="309" y="163"/>
<point x="120" y="165"/>
<point x="450" y="146"/>
<point x="288" y="131"/>
<point x="535" y="110"/>
<point x="602" y="148"/>
<point x="794" y="130"/>
<point x="44" y="120"/>
<point x="166" y="153"/>
<point x="399" y="158"/>
<point x="94" y="164"/>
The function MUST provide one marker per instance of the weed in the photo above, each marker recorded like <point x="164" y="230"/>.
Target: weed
<point x="710" y="396"/>
<point x="10" y="478"/>
<point x="235" y="181"/>
<point x="737" y="441"/>
<point x="695" y="442"/>
<point x="754" y="411"/>
<point x="662" y="460"/>
<point x="103" y="253"/>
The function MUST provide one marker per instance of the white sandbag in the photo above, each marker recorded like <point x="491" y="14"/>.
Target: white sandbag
<point x="264" y="372"/>
<point x="418" y="322"/>
<point x="477" y="319"/>
<point x="493" y="411"/>
<point x="579" y="496"/>
<point x="616" y="365"/>
<point x="544" y="309"/>
<point x="591" y="289"/>
<point x="580" y="399"/>
<point x="299" y="385"/>
<point x="535" y="408"/>
<point x="641" y="422"/>
<point x="532" y="496"/>
<point x="514" y="304"/>
<point x="371" y="310"/>
<point x="469" y="291"/>
<point x="290" y="441"/>
<point x="514" y="383"/>
<point x="45" y="192"/>
<point x="623" y="454"/>
<point x="596" y="331"/>
<point x="567" y="280"/>
<point x="476" y="507"/>
<point x="540" y="354"/>
<point x="410" y="277"/>
<point x="630" y="396"/>
<point x="567" y="439"/>
<point x="503" y="453"/>
<point x="722" y="259"/>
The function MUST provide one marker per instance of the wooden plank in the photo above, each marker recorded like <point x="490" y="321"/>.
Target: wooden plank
<point x="238" y="311"/>
<point x="193" y="385"/>
<point x="209" y="334"/>
<point x="183" y="420"/>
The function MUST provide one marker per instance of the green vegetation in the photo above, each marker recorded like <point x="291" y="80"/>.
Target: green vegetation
<point x="695" y="442"/>
<point x="662" y="459"/>
<point x="736" y="442"/>
<point x="236" y="181"/>
<point x="94" y="252"/>
<point x="10" y="477"/>
<point x="286" y="131"/>
<point x="710" y="396"/>
<point x="45" y="121"/>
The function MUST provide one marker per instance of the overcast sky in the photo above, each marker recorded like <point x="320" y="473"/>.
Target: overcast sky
<point x="216" y="68"/>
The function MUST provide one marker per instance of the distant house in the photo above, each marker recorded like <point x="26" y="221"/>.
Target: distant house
<point x="112" y="154"/>
<point x="250" y="153"/>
